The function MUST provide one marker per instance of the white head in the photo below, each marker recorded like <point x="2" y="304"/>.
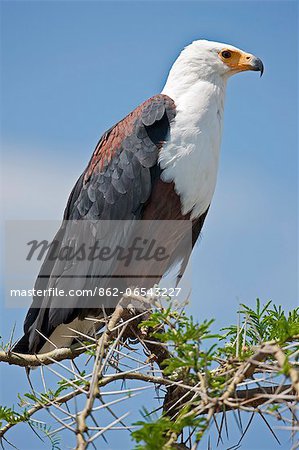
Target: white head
<point x="196" y="83"/>
<point x="209" y="61"/>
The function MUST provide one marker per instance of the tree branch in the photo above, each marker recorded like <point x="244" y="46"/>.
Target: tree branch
<point x="59" y="354"/>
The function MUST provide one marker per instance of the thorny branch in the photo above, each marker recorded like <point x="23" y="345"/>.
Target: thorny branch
<point x="111" y="346"/>
<point x="59" y="354"/>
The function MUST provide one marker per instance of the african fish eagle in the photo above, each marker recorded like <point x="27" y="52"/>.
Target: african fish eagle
<point x="158" y="163"/>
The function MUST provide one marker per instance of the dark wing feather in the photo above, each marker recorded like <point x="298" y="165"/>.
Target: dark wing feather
<point x="116" y="185"/>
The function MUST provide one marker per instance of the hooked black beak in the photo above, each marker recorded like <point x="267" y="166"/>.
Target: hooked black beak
<point x="257" y="65"/>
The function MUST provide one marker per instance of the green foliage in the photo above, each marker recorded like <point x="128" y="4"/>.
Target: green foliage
<point x="40" y="427"/>
<point x="262" y="324"/>
<point x="42" y="399"/>
<point x="184" y="337"/>
<point x="9" y="415"/>
<point x="155" y="434"/>
<point x="194" y="354"/>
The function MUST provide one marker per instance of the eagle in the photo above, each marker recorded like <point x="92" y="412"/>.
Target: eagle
<point x="159" y="163"/>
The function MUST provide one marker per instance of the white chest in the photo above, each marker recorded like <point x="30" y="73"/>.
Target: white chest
<point x="190" y="157"/>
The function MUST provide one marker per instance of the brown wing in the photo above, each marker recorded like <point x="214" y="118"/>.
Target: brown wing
<point x="123" y="169"/>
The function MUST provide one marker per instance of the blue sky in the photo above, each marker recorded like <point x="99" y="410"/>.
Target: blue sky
<point x="72" y="69"/>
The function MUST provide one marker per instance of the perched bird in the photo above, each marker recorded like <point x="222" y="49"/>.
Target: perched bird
<point x="159" y="163"/>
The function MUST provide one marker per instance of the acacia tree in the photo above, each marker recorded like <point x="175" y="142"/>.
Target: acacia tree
<point x="251" y="367"/>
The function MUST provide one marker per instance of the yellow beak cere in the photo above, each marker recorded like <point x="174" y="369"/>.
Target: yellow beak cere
<point x="239" y="61"/>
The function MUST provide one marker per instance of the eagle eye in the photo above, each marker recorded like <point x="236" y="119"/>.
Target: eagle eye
<point x="226" y="54"/>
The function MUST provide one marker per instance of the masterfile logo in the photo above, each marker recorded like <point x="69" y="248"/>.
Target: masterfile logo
<point x="88" y="263"/>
